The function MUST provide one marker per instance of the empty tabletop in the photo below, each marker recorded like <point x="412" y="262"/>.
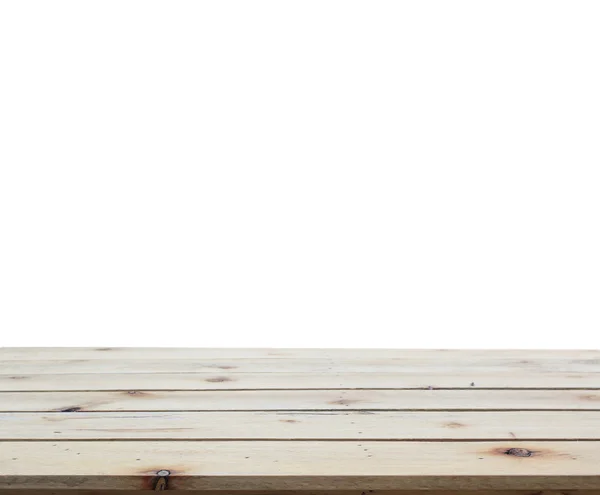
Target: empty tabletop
<point x="313" y="421"/>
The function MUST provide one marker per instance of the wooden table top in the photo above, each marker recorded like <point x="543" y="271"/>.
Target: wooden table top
<point x="290" y="420"/>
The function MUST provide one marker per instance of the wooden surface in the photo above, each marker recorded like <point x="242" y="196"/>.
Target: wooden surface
<point x="310" y="421"/>
<point x="482" y="491"/>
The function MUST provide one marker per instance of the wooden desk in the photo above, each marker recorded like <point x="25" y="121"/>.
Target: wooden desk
<point x="299" y="421"/>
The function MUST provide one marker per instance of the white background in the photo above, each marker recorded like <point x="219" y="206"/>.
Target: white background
<point x="300" y="173"/>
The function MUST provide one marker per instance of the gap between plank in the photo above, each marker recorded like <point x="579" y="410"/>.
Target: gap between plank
<point x="314" y="411"/>
<point x="291" y="389"/>
<point x="318" y="439"/>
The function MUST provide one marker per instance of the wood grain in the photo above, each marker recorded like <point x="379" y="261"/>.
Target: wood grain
<point x="299" y="421"/>
<point x="300" y="365"/>
<point x="261" y="400"/>
<point x="292" y="465"/>
<point x="225" y="380"/>
<point x="159" y="353"/>
<point x="299" y="425"/>
<point x="310" y="492"/>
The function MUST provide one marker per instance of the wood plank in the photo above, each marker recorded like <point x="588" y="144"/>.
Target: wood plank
<point x="309" y="492"/>
<point x="340" y="425"/>
<point x="76" y="491"/>
<point x="266" y="381"/>
<point x="302" y="400"/>
<point x="290" y="465"/>
<point x="242" y="365"/>
<point x="155" y="353"/>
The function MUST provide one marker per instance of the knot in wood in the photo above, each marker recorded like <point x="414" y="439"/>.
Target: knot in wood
<point x="518" y="452"/>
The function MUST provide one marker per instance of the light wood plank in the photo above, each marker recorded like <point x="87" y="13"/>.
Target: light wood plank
<point x="154" y="353"/>
<point x="302" y="400"/>
<point x="242" y="365"/>
<point x="340" y="425"/>
<point x="264" y="381"/>
<point x="292" y="465"/>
